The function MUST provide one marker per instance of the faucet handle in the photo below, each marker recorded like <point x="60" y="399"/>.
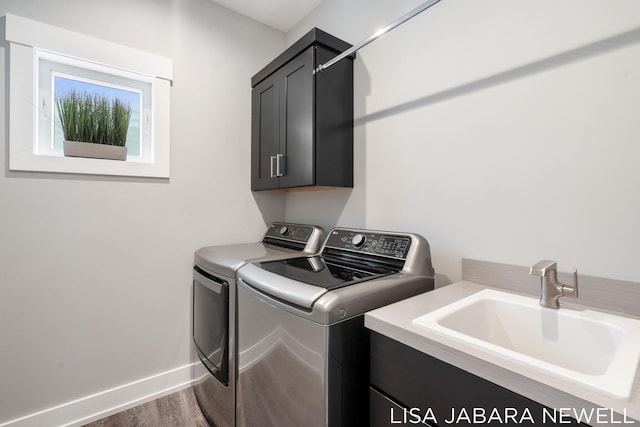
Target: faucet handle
<point x="569" y="291"/>
<point x="543" y="267"/>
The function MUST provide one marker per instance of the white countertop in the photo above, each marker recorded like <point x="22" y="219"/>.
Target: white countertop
<point x="395" y="321"/>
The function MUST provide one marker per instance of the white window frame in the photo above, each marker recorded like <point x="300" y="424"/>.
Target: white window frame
<point x="32" y="42"/>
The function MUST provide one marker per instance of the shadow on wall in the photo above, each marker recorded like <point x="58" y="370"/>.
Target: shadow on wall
<point x="347" y="207"/>
<point x="591" y="50"/>
<point x="271" y="205"/>
<point x="441" y="280"/>
<point x="325" y="208"/>
<point x="322" y="207"/>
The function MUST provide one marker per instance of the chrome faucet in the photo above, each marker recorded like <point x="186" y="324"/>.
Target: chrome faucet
<point x="550" y="289"/>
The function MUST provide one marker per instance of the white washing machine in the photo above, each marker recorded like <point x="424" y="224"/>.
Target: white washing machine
<point x="214" y="308"/>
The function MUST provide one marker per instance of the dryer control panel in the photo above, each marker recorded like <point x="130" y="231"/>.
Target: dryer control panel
<point x="299" y="237"/>
<point x="299" y="233"/>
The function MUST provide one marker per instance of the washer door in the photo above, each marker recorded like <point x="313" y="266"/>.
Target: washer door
<point x="211" y="323"/>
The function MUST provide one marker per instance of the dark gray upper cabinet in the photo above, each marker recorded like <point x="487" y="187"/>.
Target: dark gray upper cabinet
<point x="301" y="121"/>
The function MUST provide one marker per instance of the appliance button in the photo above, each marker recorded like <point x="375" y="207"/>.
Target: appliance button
<point x="358" y="240"/>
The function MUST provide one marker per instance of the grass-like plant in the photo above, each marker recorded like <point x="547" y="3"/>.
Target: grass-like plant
<point x="93" y="118"/>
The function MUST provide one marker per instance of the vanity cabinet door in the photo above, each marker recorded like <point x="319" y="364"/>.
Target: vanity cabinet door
<point x="439" y="393"/>
<point x="383" y="412"/>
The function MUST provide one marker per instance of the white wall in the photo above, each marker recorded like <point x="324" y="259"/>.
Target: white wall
<point x="502" y="131"/>
<point x="95" y="272"/>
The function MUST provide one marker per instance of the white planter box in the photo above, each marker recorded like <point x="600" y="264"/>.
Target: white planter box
<point x="96" y="151"/>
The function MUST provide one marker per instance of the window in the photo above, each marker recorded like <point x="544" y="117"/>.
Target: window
<point x="48" y="63"/>
<point x="59" y="75"/>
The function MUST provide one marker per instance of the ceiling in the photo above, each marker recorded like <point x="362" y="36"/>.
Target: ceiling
<point x="279" y="14"/>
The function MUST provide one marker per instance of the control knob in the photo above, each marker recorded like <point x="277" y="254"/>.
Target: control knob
<point x="283" y="230"/>
<point x="358" y="240"/>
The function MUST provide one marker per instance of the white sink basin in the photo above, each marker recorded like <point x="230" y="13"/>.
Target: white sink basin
<point x="584" y="347"/>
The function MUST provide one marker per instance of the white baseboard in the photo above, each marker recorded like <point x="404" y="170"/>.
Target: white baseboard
<point x="109" y="402"/>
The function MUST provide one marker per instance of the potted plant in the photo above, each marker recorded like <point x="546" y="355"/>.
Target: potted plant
<point x="94" y="125"/>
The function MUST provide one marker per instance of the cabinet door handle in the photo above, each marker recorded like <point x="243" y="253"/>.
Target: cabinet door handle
<point x="273" y="173"/>
<point x="279" y="164"/>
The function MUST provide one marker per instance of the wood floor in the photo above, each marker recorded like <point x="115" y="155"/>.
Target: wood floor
<point x="175" y="410"/>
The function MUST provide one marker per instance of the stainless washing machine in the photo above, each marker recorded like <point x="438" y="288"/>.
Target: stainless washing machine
<point x="303" y="350"/>
<point x="214" y="309"/>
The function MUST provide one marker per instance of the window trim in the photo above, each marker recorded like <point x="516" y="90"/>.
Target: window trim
<point x="25" y="38"/>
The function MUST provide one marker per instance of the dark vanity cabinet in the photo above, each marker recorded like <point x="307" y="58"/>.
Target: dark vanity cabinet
<point x="301" y="120"/>
<point x="409" y="387"/>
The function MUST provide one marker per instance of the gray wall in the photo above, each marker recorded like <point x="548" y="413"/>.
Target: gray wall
<point x="95" y="272"/>
<point x="500" y="130"/>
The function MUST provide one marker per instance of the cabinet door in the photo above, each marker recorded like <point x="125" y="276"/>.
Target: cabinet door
<point x="418" y="381"/>
<point x="265" y="138"/>
<point x="297" y="121"/>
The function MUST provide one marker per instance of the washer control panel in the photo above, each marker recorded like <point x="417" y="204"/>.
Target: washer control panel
<point x="298" y="233"/>
<point x="391" y="245"/>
